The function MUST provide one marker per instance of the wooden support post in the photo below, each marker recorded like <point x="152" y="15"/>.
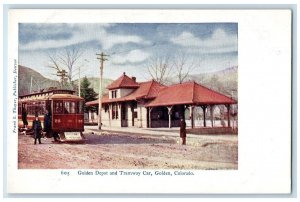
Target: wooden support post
<point x="141" y="120"/>
<point x="204" y="114"/>
<point x="149" y="119"/>
<point x="212" y="107"/>
<point x="90" y="116"/>
<point x="192" y="115"/>
<point x="170" y="113"/>
<point x="109" y="114"/>
<point x="228" y="114"/>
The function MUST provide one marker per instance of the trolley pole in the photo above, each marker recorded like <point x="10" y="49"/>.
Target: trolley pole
<point x="102" y="58"/>
<point x="79" y="84"/>
<point x="31" y="84"/>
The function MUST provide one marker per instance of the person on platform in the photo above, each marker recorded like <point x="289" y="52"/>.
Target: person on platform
<point x="37" y="128"/>
<point x="183" y="131"/>
<point x="24" y="118"/>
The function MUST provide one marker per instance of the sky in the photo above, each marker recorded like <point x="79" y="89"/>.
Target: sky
<point x="130" y="46"/>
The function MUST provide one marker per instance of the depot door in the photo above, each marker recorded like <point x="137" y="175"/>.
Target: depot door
<point x="124" y="121"/>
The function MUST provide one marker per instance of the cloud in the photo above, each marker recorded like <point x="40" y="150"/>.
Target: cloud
<point x="80" y="34"/>
<point x="108" y="41"/>
<point x="219" y="42"/>
<point x="134" y="56"/>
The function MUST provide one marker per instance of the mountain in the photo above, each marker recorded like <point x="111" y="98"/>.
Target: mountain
<point x="38" y="81"/>
<point x="224" y="81"/>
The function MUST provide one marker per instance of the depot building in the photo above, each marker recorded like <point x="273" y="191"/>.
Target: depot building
<point x="152" y="105"/>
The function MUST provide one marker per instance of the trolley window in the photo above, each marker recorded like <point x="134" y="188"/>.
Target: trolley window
<point x="69" y="107"/>
<point x="80" y="107"/>
<point x="58" y="107"/>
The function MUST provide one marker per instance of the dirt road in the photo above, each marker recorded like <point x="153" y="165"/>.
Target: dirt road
<point x="129" y="151"/>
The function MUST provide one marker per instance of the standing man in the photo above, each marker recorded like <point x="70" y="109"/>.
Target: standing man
<point x="47" y="122"/>
<point x="183" y="131"/>
<point x="37" y="128"/>
<point x="24" y="118"/>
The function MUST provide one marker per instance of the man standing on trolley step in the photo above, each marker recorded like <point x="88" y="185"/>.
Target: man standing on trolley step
<point x="24" y="118"/>
<point x="37" y="128"/>
<point x="47" y="122"/>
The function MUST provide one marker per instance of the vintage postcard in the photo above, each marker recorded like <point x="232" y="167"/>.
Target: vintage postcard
<point x="140" y="100"/>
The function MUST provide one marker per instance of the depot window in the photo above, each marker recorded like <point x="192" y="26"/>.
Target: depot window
<point x="114" y="94"/>
<point x="115" y="112"/>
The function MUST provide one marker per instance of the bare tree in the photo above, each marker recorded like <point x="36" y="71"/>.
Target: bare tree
<point x="69" y="59"/>
<point x="65" y="61"/>
<point x="53" y="61"/>
<point x="183" y="66"/>
<point x="159" y="68"/>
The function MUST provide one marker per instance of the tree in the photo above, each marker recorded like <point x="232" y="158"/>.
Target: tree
<point x="159" y="68"/>
<point x="183" y="66"/>
<point x="65" y="60"/>
<point x="87" y="93"/>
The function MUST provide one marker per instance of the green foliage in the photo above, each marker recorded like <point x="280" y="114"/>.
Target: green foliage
<point x="87" y="93"/>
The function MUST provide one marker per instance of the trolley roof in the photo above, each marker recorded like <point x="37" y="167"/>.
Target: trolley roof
<point x="65" y="97"/>
<point x="51" y="94"/>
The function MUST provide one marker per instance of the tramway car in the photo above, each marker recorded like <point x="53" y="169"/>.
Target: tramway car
<point x="67" y="117"/>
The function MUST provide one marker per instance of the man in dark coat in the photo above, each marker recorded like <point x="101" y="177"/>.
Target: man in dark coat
<point x="183" y="131"/>
<point x="47" y="122"/>
<point x="24" y="117"/>
<point x="48" y="125"/>
<point x="37" y="128"/>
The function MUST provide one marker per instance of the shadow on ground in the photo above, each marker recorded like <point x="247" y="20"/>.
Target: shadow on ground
<point x="125" y="139"/>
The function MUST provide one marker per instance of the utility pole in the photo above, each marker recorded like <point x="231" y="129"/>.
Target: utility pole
<point x="102" y="58"/>
<point x="79" y="83"/>
<point x="62" y="74"/>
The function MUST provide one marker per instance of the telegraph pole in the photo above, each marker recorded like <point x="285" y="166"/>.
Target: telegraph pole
<point x="62" y="74"/>
<point x="79" y="79"/>
<point x="102" y="58"/>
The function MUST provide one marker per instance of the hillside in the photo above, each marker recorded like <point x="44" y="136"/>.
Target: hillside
<point x="38" y="81"/>
<point x="224" y="81"/>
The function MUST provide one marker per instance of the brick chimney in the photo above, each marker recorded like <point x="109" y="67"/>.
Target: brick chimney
<point x="133" y="78"/>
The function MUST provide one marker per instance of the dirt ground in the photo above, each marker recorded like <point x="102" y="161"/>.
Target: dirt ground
<point x="130" y="151"/>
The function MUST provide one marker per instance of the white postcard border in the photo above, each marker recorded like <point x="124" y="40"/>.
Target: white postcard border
<point x="264" y="144"/>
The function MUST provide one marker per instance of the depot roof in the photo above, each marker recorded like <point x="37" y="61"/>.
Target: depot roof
<point x="190" y="93"/>
<point x="145" y="90"/>
<point x="123" y="82"/>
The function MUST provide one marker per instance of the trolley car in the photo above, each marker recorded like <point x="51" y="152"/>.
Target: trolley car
<point x="67" y="117"/>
